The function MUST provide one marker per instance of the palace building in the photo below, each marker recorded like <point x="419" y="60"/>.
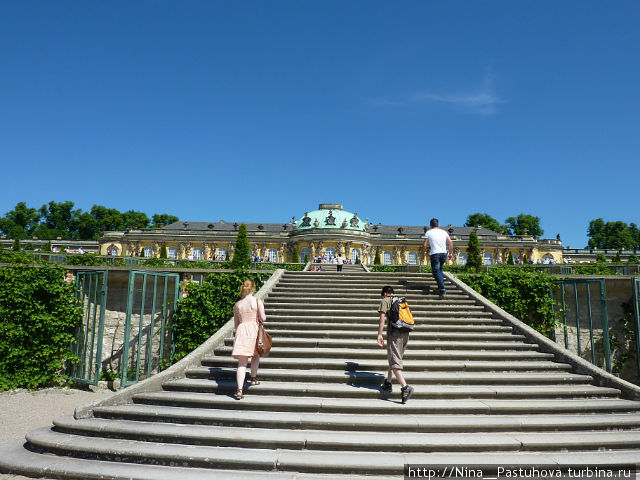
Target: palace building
<point x="330" y="230"/>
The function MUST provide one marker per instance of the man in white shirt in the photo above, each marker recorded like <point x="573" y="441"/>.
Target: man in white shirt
<point x="441" y="246"/>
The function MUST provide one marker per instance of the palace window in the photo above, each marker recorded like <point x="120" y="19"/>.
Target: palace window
<point x="304" y="254"/>
<point x="487" y="258"/>
<point x="462" y="258"/>
<point x="147" y="251"/>
<point x="272" y="254"/>
<point x="197" y="253"/>
<point x="112" y="250"/>
<point x="412" y="258"/>
<point x="222" y="254"/>
<point x="355" y="254"/>
<point x="330" y="252"/>
<point x="172" y="252"/>
<point x="387" y="258"/>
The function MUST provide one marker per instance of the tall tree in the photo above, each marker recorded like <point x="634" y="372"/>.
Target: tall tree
<point x="612" y="235"/>
<point x="109" y="219"/>
<point x="136" y="220"/>
<point x="484" y="220"/>
<point x="242" y="251"/>
<point x="58" y="219"/>
<point x="524" y="224"/>
<point x="20" y="222"/>
<point x="474" y="254"/>
<point x="163" y="219"/>
<point x="86" y="227"/>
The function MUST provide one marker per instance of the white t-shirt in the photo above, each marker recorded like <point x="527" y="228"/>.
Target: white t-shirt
<point x="339" y="260"/>
<point x="437" y="240"/>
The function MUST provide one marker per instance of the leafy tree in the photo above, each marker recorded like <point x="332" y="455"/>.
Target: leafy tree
<point x="376" y="258"/>
<point x="163" y="219"/>
<point x="600" y="258"/>
<point x="29" y="246"/>
<point x="611" y="235"/>
<point x="633" y="259"/>
<point x="20" y="222"/>
<point x="242" y="251"/>
<point x="108" y="219"/>
<point x="484" y="220"/>
<point x="474" y="255"/>
<point x="86" y="227"/>
<point x="135" y="220"/>
<point x="524" y="224"/>
<point x="635" y="235"/>
<point x="295" y="256"/>
<point x="58" y="220"/>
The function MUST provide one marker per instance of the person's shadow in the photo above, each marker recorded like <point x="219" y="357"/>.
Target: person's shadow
<point x="365" y="379"/>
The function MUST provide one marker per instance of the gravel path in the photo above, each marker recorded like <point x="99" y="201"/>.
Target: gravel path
<point x="23" y="410"/>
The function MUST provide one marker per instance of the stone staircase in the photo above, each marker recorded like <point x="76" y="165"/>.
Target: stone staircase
<point x="483" y="395"/>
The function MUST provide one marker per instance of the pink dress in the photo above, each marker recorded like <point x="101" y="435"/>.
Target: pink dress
<point x="246" y="313"/>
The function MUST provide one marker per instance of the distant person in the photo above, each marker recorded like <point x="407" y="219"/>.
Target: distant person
<point x="441" y="247"/>
<point x="339" y="262"/>
<point x="396" y="344"/>
<point x="247" y="312"/>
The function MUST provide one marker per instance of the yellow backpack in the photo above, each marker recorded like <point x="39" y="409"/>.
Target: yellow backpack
<point x="400" y="315"/>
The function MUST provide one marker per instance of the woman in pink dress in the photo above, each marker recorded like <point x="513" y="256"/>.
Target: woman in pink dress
<point x="247" y="312"/>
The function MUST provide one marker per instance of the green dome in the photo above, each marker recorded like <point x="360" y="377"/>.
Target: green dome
<point x="331" y="215"/>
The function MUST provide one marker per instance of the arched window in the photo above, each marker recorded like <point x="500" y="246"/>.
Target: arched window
<point x="148" y="251"/>
<point x="330" y="252"/>
<point x="487" y="258"/>
<point x="412" y="258"/>
<point x="197" y="253"/>
<point x="355" y="255"/>
<point x="304" y="254"/>
<point x="172" y="252"/>
<point x="462" y="258"/>
<point x="387" y="258"/>
<point x="548" y="259"/>
<point x="112" y="250"/>
<point x="272" y="254"/>
<point x="222" y="254"/>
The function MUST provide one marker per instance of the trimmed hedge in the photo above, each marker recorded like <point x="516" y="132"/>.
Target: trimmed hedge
<point x="38" y="318"/>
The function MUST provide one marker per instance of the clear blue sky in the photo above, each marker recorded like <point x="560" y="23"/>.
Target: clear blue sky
<point x="258" y="111"/>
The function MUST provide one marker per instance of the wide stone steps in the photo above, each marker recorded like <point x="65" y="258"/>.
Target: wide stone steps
<point x="370" y="423"/>
<point x="483" y="395"/>
<point x="222" y="386"/>
<point x="312" y="439"/>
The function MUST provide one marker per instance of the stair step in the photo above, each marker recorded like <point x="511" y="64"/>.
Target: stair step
<point x="334" y="390"/>
<point x="294" y="331"/>
<point x="417" y="378"/>
<point x="436" y="327"/>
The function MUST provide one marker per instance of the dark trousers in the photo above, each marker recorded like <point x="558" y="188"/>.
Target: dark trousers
<point x="339" y="267"/>
<point x="437" y="261"/>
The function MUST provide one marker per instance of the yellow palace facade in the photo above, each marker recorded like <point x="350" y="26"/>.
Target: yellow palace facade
<point x="328" y="231"/>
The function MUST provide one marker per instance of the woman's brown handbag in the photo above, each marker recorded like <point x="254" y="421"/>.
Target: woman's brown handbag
<point x="263" y="342"/>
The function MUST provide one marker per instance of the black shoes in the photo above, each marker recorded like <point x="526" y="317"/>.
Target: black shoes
<point x="406" y="392"/>
<point x="386" y="386"/>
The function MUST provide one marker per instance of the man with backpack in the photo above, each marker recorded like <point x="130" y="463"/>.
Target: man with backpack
<point x="399" y="325"/>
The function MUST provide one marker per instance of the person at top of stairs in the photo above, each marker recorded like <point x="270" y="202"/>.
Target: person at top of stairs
<point x="396" y="344"/>
<point x="440" y="245"/>
<point x="340" y="262"/>
<point x="247" y="312"/>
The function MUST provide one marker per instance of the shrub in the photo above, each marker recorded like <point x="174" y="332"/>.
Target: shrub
<point x="242" y="251"/>
<point x="633" y="258"/>
<point x="295" y="256"/>
<point x="510" y="259"/>
<point x="156" y="262"/>
<point x="9" y="256"/>
<point x="600" y="258"/>
<point x="38" y="318"/>
<point x="86" y="259"/>
<point x="376" y="258"/>
<point x="521" y="292"/>
<point x="474" y="259"/>
<point x="163" y="251"/>
<point x="16" y="245"/>
<point x="207" y="307"/>
<point x="46" y="248"/>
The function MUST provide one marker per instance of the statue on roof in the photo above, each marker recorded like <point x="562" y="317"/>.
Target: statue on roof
<point x="330" y="219"/>
<point x="306" y="220"/>
<point x="354" y="220"/>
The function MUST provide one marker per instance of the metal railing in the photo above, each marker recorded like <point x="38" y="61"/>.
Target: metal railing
<point x="581" y="314"/>
<point x="91" y="291"/>
<point x="636" y="314"/>
<point x="148" y="338"/>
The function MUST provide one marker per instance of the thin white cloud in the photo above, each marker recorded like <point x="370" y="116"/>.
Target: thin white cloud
<point x="483" y="101"/>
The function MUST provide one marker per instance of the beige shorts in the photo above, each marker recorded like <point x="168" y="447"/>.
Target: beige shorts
<point x="396" y="344"/>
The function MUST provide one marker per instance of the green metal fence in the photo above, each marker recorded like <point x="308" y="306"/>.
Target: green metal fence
<point x="585" y="311"/>
<point x="148" y="339"/>
<point x="636" y="314"/>
<point x="91" y="291"/>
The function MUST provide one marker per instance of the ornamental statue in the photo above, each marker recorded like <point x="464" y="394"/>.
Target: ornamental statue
<point x="354" y="220"/>
<point x="306" y="220"/>
<point x="330" y="219"/>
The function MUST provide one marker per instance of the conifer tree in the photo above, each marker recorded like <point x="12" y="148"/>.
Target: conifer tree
<point x="376" y="258"/>
<point x="46" y="247"/>
<point x="474" y="259"/>
<point x="163" y="251"/>
<point x="242" y="251"/>
<point x="510" y="259"/>
<point x="295" y="256"/>
<point x="16" y="245"/>
<point x="633" y="258"/>
<point x="617" y="258"/>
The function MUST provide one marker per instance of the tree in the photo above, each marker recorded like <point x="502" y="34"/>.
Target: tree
<point x="109" y="219"/>
<point x="16" y="245"/>
<point x="86" y="227"/>
<point x="20" y="222"/>
<point x="484" y="220"/>
<point x="135" y="220"/>
<point x="242" y="251"/>
<point x="376" y="258"/>
<point x="474" y="255"/>
<point x="510" y="259"/>
<point x="635" y="235"/>
<point x="617" y="258"/>
<point x="46" y="248"/>
<point x="163" y="251"/>
<point x="612" y="235"/>
<point x="295" y="256"/>
<point x="633" y="259"/>
<point x="58" y="220"/>
<point x="524" y="224"/>
<point x="600" y="258"/>
<point x="163" y="219"/>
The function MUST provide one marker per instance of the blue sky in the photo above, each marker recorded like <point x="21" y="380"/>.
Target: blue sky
<point x="258" y="111"/>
